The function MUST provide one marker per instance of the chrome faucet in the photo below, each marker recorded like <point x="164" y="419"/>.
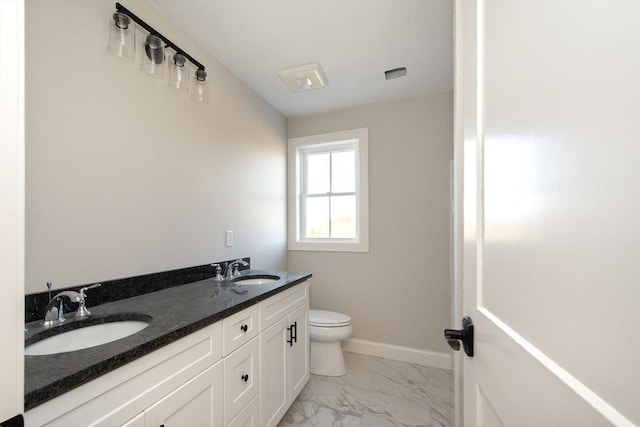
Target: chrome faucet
<point x="54" y="313"/>
<point x="232" y="268"/>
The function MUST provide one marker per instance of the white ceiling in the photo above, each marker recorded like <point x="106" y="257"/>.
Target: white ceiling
<point x="354" y="41"/>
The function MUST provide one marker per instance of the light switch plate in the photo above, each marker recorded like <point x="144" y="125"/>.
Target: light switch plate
<point x="228" y="238"/>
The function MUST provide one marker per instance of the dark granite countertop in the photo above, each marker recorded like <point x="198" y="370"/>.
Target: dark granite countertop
<point x="174" y="313"/>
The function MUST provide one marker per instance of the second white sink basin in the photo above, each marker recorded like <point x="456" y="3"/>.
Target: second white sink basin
<point x="256" y="280"/>
<point x="85" y="337"/>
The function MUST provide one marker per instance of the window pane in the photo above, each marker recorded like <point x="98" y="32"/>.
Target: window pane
<point x="318" y="172"/>
<point x="343" y="217"/>
<point x="343" y="171"/>
<point x="317" y="217"/>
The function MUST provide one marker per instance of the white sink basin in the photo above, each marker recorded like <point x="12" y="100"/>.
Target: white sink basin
<point x="85" y="337"/>
<point x="256" y="280"/>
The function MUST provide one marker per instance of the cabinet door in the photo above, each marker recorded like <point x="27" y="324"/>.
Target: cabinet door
<point x="273" y="391"/>
<point x="249" y="416"/>
<point x="197" y="403"/>
<point x="299" y="352"/>
<point x="137" y="421"/>
<point x="241" y="378"/>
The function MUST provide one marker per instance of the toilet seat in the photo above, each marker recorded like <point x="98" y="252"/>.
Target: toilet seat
<point x="328" y="319"/>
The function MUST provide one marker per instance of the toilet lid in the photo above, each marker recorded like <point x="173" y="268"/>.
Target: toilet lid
<point x="328" y="319"/>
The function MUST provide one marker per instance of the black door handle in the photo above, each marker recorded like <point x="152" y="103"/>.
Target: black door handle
<point x="244" y="328"/>
<point x="464" y="335"/>
<point x="245" y="377"/>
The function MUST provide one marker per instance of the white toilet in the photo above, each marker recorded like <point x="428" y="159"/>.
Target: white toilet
<point x="326" y="331"/>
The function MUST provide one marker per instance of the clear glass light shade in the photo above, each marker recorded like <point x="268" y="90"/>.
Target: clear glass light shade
<point x="200" y="91"/>
<point x="153" y="58"/>
<point x="179" y="75"/>
<point x="122" y="39"/>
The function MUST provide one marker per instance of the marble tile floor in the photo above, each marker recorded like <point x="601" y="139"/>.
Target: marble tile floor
<point x="375" y="392"/>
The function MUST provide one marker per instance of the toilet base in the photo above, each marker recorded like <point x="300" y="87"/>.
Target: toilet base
<point x="326" y="359"/>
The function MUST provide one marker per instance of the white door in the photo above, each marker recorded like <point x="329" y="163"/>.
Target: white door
<point x="548" y="169"/>
<point x="11" y="207"/>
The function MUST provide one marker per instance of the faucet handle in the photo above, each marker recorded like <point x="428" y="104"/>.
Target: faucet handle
<point x="82" y="291"/>
<point x="218" y="277"/>
<point x="82" y="309"/>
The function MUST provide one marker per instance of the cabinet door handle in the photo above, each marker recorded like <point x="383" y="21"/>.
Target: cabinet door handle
<point x="290" y="340"/>
<point x="244" y="328"/>
<point x="295" y="332"/>
<point x="245" y="377"/>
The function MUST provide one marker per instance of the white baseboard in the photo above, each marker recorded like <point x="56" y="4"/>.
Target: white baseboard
<point x="396" y="352"/>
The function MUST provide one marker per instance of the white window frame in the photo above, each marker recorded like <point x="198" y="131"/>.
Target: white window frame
<point x="355" y="138"/>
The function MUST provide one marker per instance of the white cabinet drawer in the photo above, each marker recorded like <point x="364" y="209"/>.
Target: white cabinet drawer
<point x="276" y="307"/>
<point x="241" y="378"/>
<point x="240" y="328"/>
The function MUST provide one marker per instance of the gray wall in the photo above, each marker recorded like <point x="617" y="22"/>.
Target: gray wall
<point x="125" y="176"/>
<point x="400" y="292"/>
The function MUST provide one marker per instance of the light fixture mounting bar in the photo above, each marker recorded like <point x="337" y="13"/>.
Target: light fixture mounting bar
<point x="151" y="30"/>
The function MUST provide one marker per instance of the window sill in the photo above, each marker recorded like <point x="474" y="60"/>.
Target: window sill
<point x="329" y="246"/>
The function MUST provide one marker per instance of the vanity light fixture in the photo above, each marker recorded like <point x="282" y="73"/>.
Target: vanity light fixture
<point x="122" y="42"/>
<point x="153" y="60"/>
<point x="122" y="37"/>
<point x="200" y="92"/>
<point x="179" y="73"/>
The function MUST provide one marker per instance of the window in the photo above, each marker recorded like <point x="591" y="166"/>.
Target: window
<point x="328" y="197"/>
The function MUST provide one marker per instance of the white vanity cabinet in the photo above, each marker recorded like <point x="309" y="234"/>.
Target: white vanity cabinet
<point x="285" y="352"/>
<point x="244" y="371"/>
<point x="174" y="379"/>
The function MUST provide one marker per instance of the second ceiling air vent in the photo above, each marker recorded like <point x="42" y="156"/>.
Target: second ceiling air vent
<point x="395" y="73"/>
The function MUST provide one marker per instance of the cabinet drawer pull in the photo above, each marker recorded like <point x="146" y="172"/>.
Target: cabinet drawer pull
<point x="245" y="377"/>
<point x="244" y="328"/>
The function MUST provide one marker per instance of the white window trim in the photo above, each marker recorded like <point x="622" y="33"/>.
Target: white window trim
<point x="360" y="244"/>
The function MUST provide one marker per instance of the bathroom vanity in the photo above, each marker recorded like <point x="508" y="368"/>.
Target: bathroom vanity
<point x="211" y="356"/>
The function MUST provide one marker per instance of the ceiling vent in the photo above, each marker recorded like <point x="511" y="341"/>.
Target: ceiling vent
<point x="395" y="73"/>
<point x="303" y="78"/>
